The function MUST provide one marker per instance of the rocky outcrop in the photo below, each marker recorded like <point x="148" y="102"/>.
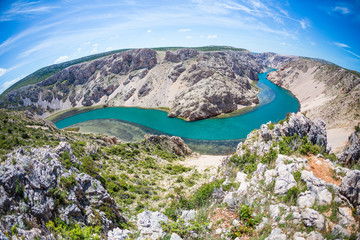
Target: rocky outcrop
<point x="296" y="124"/>
<point x="174" y="144"/>
<point x="149" y="224"/>
<point x="36" y="188"/>
<point x="351" y="153"/>
<point x="350" y="187"/>
<point x="192" y="84"/>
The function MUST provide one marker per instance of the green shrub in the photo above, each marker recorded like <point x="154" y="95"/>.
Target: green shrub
<point x="292" y="195"/>
<point x="61" y="230"/>
<point x="68" y="182"/>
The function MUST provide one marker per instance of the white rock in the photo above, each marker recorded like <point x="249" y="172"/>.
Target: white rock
<point x="149" y="224"/>
<point x="218" y="231"/>
<point x="299" y="236"/>
<point x="188" y="215"/>
<point x="338" y="230"/>
<point x="269" y="176"/>
<point x="312" y="218"/>
<point x="345" y="216"/>
<point x="231" y="199"/>
<point x="240" y="177"/>
<point x="118" y="234"/>
<point x="315" y="236"/>
<point x="284" y="182"/>
<point x="276" y="234"/>
<point x="306" y="199"/>
<point x="174" y="236"/>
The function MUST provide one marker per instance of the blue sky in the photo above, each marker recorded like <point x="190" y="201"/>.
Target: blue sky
<point x="34" y="34"/>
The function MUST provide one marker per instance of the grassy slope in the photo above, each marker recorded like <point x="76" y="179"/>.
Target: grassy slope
<point x="48" y="71"/>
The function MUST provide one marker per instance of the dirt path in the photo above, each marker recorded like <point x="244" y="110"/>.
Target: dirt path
<point x="203" y="162"/>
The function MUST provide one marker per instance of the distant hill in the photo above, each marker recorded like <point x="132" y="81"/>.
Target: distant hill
<point x="48" y="71"/>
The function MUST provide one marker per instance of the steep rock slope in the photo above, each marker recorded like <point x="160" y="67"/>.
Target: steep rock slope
<point x="325" y="91"/>
<point x="193" y="84"/>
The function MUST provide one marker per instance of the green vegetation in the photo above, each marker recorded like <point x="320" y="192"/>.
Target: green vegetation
<point x="61" y="230"/>
<point x="294" y="144"/>
<point x="247" y="223"/>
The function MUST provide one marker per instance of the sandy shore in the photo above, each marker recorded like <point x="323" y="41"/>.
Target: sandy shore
<point x="204" y="162"/>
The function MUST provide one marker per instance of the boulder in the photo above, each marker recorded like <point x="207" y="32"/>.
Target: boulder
<point x="276" y="234"/>
<point x="284" y="182"/>
<point x="314" y="236"/>
<point x="350" y="187"/>
<point x="351" y="152"/>
<point x="174" y="236"/>
<point x="318" y="187"/>
<point x="312" y="218"/>
<point x="149" y="224"/>
<point x="306" y="199"/>
<point x="188" y="215"/>
<point x="118" y="234"/>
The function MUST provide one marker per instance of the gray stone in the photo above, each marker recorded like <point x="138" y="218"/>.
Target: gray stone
<point x="149" y="224"/>
<point x="306" y="199"/>
<point x="338" y="230"/>
<point x="314" y="236"/>
<point x="284" y="182"/>
<point x="350" y="187"/>
<point x="351" y="153"/>
<point x="269" y="176"/>
<point x="240" y="177"/>
<point x="276" y="234"/>
<point x="174" y="236"/>
<point x="231" y="199"/>
<point x="3" y="236"/>
<point x="118" y="234"/>
<point x="318" y="187"/>
<point x="312" y="218"/>
<point x="299" y="236"/>
<point x="345" y="216"/>
<point x="188" y="215"/>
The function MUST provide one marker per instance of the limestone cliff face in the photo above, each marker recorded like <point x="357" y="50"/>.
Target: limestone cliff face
<point x="193" y="84"/>
<point x="325" y="91"/>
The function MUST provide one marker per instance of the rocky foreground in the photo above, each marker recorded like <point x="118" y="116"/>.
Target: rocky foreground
<point x="281" y="183"/>
<point x="192" y="84"/>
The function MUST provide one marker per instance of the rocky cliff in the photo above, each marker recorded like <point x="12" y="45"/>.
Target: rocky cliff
<point x="192" y="84"/>
<point x="325" y="91"/>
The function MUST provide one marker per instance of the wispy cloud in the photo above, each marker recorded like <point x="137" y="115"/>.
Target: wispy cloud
<point x="7" y="84"/>
<point x="25" y="8"/>
<point x="149" y="31"/>
<point x="342" y="10"/>
<point x="212" y="36"/>
<point x="61" y="59"/>
<point x="188" y="37"/>
<point x="356" y="55"/>
<point x="346" y="48"/>
<point x="2" y="71"/>
<point x="342" y="45"/>
<point x="184" y="30"/>
<point x="114" y="37"/>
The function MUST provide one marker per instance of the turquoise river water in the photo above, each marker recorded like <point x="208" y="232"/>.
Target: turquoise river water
<point x="275" y="103"/>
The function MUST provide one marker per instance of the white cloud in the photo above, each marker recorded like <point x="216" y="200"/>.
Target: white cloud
<point x="114" y="37"/>
<point x="184" y="30"/>
<point x="109" y="49"/>
<point x="61" y="59"/>
<point x="7" y="84"/>
<point x="2" y="71"/>
<point x="303" y="24"/>
<point x="342" y="10"/>
<point x="342" y="45"/>
<point x="356" y="55"/>
<point x="95" y="45"/>
<point x="149" y="31"/>
<point x="188" y="37"/>
<point x="212" y="36"/>
<point x="283" y="43"/>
